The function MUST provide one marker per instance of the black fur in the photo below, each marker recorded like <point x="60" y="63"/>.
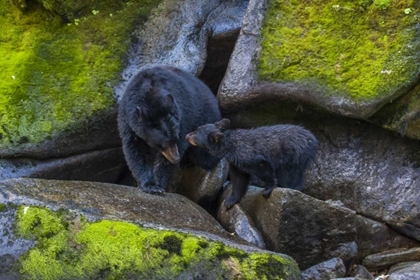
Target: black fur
<point x="278" y="155"/>
<point x="159" y="107"/>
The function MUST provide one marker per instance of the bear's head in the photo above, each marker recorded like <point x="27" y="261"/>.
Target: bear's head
<point x="159" y="123"/>
<point x="208" y="136"/>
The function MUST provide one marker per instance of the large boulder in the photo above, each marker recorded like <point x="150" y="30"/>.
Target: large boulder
<point x="312" y="231"/>
<point x="85" y="230"/>
<point x="372" y="171"/>
<point x="347" y="58"/>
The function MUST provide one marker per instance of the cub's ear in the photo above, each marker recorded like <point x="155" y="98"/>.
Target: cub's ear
<point x="139" y="112"/>
<point x="223" y="124"/>
<point x="217" y="137"/>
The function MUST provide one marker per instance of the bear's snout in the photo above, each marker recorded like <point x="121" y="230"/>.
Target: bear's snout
<point x="190" y="138"/>
<point x="172" y="154"/>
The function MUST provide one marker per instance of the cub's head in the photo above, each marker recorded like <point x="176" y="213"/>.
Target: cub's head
<point x="208" y="136"/>
<point x="159" y="123"/>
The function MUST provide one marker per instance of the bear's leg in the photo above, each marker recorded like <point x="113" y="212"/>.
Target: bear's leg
<point x="139" y="158"/>
<point x="240" y="182"/>
<point x="265" y="172"/>
<point x="164" y="172"/>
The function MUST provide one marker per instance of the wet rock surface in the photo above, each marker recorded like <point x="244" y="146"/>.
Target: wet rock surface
<point x="391" y="257"/>
<point x="330" y="269"/>
<point x="111" y="201"/>
<point x="237" y="221"/>
<point x="105" y="205"/>
<point x="309" y="229"/>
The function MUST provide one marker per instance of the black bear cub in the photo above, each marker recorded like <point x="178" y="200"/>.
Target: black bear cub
<point x="159" y="107"/>
<point x="278" y="154"/>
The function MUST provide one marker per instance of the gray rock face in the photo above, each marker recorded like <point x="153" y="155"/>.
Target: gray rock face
<point x="237" y="221"/>
<point x="391" y="257"/>
<point x="11" y="246"/>
<point x="307" y="229"/>
<point x="405" y="276"/>
<point x="111" y="201"/>
<point x="90" y="153"/>
<point x="370" y="170"/>
<point x="362" y="273"/>
<point x="173" y="35"/>
<point x="311" y="230"/>
<point x="201" y="186"/>
<point x="333" y="268"/>
<point x="405" y="267"/>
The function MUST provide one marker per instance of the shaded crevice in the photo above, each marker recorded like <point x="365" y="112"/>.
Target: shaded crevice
<point x="219" y="50"/>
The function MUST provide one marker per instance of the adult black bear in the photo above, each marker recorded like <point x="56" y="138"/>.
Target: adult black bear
<point x="278" y="154"/>
<point x="159" y="107"/>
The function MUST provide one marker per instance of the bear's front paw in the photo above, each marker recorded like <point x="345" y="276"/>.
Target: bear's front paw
<point x="230" y="202"/>
<point x="152" y="189"/>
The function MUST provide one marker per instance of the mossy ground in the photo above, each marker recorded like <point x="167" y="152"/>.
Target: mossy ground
<point x="55" y="73"/>
<point x="360" y="49"/>
<point x="68" y="247"/>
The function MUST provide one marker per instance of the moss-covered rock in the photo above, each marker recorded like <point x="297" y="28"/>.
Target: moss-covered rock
<point x="342" y="57"/>
<point x="69" y="247"/>
<point x="54" y="73"/>
<point x="359" y="49"/>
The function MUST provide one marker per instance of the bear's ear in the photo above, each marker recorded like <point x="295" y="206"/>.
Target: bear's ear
<point x="223" y="124"/>
<point x="217" y="137"/>
<point x="139" y="112"/>
<point x="168" y="101"/>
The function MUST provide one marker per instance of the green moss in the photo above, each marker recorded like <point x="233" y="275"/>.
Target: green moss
<point x="75" y="249"/>
<point x="3" y="207"/>
<point x="53" y="73"/>
<point x="359" y="49"/>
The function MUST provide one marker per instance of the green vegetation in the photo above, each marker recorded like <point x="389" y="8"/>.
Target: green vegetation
<point x="55" y="73"/>
<point x="3" y="207"/>
<point x="68" y="247"/>
<point x="361" y="49"/>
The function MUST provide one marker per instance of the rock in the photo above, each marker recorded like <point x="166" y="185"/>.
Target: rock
<point x="224" y="24"/>
<point x="405" y="267"/>
<point x="237" y="221"/>
<point x="388" y="258"/>
<point x="100" y="166"/>
<point x="401" y="115"/>
<point x="299" y="56"/>
<point x="381" y="185"/>
<point x="404" y="276"/>
<point x="307" y="229"/>
<point x="12" y="247"/>
<point x="362" y="273"/>
<point x="201" y="186"/>
<point x="326" y="270"/>
<point x="312" y="230"/>
<point x="114" y="231"/>
<point x="111" y="202"/>
<point x="172" y="36"/>
<point x="374" y="237"/>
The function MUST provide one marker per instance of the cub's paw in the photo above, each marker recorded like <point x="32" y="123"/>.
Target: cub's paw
<point x="267" y="192"/>
<point x="230" y="202"/>
<point x="152" y="189"/>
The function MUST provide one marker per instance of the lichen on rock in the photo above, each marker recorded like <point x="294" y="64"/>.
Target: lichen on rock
<point x="70" y="247"/>
<point x="361" y="50"/>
